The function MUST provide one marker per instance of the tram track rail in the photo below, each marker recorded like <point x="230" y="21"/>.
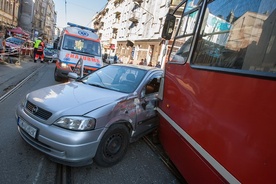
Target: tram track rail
<point x="18" y="85"/>
<point x="64" y="174"/>
<point x="158" y="150"/>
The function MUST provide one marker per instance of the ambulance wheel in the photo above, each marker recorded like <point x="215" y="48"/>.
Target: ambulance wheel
<point x="57" y="78"/>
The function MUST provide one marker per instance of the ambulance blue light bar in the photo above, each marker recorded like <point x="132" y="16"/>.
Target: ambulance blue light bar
<point x="82" y="27"/>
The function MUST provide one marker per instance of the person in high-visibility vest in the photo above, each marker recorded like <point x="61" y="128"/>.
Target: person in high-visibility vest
<point x="36" y="44"/>
<point x="40" y="50"/>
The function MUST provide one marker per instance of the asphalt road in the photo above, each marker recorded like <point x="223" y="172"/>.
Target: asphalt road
<point x="20" y="163"/>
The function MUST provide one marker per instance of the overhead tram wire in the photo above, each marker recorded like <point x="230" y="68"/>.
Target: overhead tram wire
<point x="96" y="13"/>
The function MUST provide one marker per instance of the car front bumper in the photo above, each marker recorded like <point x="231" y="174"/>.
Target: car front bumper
<point x="73" y="148"/>
<point x="50" y="58"/>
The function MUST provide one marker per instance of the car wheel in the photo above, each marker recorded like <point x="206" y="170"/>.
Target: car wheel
<point x="57" y="78"/>
<point x="113" y="146"/>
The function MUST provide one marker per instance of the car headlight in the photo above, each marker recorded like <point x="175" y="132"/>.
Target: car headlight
<point x="76" y="123"/>
<point x="64" y="65"/>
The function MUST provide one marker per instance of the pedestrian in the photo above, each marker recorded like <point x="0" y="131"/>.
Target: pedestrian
<point x="158" y="65"/>
<point x="40" y="51"/>
<point x="7" y="35"/>
<point x="104" y="57"/>
<point x="145" y="62"/>
<point x="115" y="58"/>
<point x="36" y="45"/>
<point x="119" y="60"/>
<point x="141" y="62"/>
<point x="2" y="44"/>
<point x="150" y="63"/>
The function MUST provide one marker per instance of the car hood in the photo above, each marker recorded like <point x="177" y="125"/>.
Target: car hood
<point x="12" y="44"/>
<point x="73" y="98"/>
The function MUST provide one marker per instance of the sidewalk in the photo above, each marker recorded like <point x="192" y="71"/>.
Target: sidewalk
<point x="12" y="73"/>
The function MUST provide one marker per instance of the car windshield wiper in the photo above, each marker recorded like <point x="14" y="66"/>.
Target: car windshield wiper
<point x="93" y="55"/>
<point x="70" y="49"/>
<point x="97" y="85"/>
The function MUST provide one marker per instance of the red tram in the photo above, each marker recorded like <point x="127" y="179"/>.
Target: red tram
<point x="218" y="94"/>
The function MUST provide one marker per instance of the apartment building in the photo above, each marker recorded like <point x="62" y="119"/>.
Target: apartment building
<point x="9" y="13"/>
<point x="38" y="17"/>
<point x="132" y="29"/>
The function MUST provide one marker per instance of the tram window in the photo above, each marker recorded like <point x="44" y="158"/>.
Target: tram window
<point x="238" y="35"/>
<point x="183" y="39"/>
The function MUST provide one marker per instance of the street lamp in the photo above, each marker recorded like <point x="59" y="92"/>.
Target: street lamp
<point x="135" y="2"/>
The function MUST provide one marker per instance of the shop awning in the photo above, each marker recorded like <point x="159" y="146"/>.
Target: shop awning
<point x="18" y="30"/>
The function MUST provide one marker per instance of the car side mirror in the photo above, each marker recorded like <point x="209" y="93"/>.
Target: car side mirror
<point x="73" y="75"/>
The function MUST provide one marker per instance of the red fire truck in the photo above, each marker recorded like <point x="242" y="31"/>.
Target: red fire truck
<point x="218" y="95"/>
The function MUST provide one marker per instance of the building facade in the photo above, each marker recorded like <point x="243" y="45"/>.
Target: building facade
<point x="35" y="17"/>
<point x="9" y="13"/>
<point x="132" y="29"/>
<point x="38" y="17"/>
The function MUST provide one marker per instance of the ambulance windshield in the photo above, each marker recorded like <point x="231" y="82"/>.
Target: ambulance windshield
<point x="81" y="45"/>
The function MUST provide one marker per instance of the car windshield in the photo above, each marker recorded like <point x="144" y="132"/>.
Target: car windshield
<point x="49" y="46"/>
<point x="14" y="40"/>
<point x="116" y="77"/>
<point x="81" y="45"/>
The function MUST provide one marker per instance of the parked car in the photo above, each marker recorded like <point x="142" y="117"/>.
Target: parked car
<point x="94" y="117"/>
<point x="110" y="59"/>
<point x="13" y="45"/>
<point x="50" y="54"/>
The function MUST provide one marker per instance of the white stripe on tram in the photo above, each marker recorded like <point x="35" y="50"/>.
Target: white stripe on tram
<point x="227" y="175"/>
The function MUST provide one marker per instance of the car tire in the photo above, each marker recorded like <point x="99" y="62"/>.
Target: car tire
<point x="57" y="78"/>
<point x="113" y="146"/>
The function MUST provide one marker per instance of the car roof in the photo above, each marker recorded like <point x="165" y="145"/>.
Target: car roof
<point x="144" y="67"/>
<point x="15" y="37"/>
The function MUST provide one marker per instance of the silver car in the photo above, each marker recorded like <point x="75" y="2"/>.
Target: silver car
<point x="92" y="118"/>
<point x="110" y="60"/>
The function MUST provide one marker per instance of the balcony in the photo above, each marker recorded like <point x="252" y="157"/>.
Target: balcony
<point x="117" y="2"/>
<point x="135" y="16"/>
<point x="115" y="30"/>
<point x="138" y="1"/>
<point x="134" y="19"/>
<point x="117" y="12"/>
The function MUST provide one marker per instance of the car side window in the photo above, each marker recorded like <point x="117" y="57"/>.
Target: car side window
<point x="153" y="85"/>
